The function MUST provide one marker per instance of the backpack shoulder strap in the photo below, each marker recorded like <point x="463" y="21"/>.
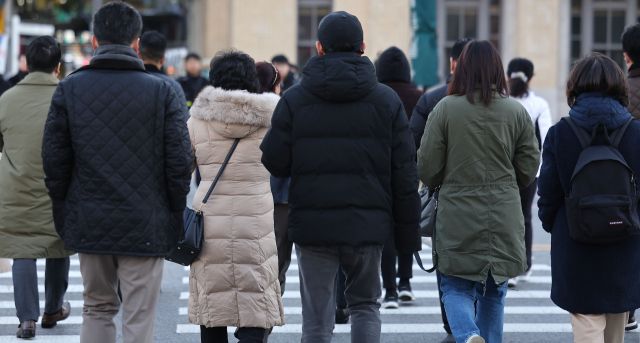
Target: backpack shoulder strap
<point x="583" y="135"/>
<point x="616" y="136"/>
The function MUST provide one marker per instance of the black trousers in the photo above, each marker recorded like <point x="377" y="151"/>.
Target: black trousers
<point x="219" y="335"/>
<point x="341" y="287"/>
<point x="526" y="198"/>
<point x="388" y="265"/>
<point x="285" y="246"/>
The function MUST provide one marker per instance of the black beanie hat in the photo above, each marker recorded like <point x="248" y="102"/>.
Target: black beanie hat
<point x="393" y="65"/>
<point x="520" y="65"/>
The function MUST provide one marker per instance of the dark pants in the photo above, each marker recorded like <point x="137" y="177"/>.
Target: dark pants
<point x="25" y="287"/>
<point x="447" y="328"/>
<point x="285" y="247"/>
<point x="198" y="177"/>
<point x="526" y="198"/>
<point x="219" y="335"/>
<point x="388" y="265"/>
<point x="341" y="285"/>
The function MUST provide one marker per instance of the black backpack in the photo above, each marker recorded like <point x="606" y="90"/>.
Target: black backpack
<point x="603" y="200"/>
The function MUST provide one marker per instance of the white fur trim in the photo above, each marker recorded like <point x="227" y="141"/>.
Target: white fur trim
<point x="234" y="107"/>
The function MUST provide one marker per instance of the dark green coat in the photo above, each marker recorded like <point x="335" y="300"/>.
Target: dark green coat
<point x="26" y="218"/>
<point x="481" y="156"/>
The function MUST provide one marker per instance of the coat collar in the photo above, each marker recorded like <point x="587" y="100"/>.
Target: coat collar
<point x="634" y="73"/>
<point x="40" y="79"/>
<point x="114" y="57"/>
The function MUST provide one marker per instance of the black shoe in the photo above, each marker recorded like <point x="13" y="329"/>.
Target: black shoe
<point x="631" y="325"/>
<point x="390" y="300"/>
<point x="405" y="293"/>
<point x="342" y="315"/>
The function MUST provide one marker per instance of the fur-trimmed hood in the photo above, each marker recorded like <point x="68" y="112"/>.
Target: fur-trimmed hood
<point x="234" y="107"/>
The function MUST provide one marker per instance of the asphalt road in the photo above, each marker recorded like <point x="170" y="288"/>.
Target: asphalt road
<point x="530" y="315"/>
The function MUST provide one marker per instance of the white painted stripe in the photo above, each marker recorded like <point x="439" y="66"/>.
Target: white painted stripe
<point x="72" y="274"/>
<point x="43" y="262"/>
<point x="5" y="320"/>
<point x="44" y="339"/>
<point x="294" y="266"/>
<point x="401" y="328"/>
<point x="183" y="311"/>
<point x="70" y="289"/>
<point x="512" y="294"/>
<point x="414" y="280"/>
<point x="11" y="304"/>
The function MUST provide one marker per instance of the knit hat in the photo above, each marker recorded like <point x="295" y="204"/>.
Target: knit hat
<point x="393" y="65"/>
<point x="340" y="27"/>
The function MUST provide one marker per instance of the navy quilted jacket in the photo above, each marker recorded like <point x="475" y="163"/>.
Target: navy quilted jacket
<point x="117" y="158"/>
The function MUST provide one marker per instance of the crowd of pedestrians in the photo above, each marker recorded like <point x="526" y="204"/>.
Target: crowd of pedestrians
<point x="330" y="162"/>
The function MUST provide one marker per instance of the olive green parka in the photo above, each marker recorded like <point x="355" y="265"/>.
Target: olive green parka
<point x="481" y="156"/>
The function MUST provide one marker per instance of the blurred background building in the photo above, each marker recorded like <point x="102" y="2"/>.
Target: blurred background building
<point x="552" y="33"/>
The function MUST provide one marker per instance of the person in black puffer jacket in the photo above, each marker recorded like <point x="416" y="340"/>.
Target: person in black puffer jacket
<point x="344" y="140"/>
<point x="117" y="159"/>
<point x="598" y="94"/>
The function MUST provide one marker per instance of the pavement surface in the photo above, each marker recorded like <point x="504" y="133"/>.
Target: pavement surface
<point x="531" y="317"/>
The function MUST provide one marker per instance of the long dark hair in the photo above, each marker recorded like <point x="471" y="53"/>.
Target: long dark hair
<point x="520" y="71"/>
<point x="597" y="73"/>
<point x="479" y="65"/>
<point x="268" y="76"/>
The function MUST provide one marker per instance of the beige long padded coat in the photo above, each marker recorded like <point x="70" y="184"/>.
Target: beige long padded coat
<point x="234" y="281"/>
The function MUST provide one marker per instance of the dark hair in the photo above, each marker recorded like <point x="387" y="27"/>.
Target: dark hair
<point x="518" y="86"/>
<point x="479" y="64"/>
<point x="152" y="46"/>
<point x="117" y="23"/>
<point x="268" y="77"/>
<point x="280" y="59"/>
<point x="457" y="48"/>
<point x="43" y="54"/>
<point x="192" y="55"/>
<point x="341" y="47"/>
<point x="234" y="70"/>
<point x="597" y="73"/>
<point x="631" y="42"/>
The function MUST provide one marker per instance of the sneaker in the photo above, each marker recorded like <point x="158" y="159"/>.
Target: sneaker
<point x="390" y="300"/>
<point x="631" y="325"/>
<point x="405" y="293"/>
<point x="513" y="282"/>
<point x="475" y="339"/>
<point x="342" y="315"/>
<point x="524" y="277"/>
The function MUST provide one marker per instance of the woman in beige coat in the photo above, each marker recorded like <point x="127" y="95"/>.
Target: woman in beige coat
<point x="234" y="281"/>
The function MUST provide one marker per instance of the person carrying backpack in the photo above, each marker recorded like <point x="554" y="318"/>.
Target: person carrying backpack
<point x="591" y="159"/>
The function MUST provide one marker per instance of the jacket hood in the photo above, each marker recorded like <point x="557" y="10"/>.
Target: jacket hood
<point x="393" y="65"/>
<point x="234" y="107"/>
<point x="591" y="109"/>
<point x="339" y="77"/>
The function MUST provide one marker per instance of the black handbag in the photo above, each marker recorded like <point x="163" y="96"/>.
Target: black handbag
<point x="191" y="242"/>
<point x="428" y="224"/>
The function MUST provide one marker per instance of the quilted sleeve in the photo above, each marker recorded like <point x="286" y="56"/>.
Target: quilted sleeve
<point x="178" y="156"/>
<point x="276" y="146"/>
<point x="404" y="185"/>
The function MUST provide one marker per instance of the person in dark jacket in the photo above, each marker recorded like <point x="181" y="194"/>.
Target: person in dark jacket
<point x="286" y="74"/>
<point x="430" y="99"/>
<point x="393" y="70"/>
<point x="344" y="140"/>
<point x="4" y="85"/>
<point x="153" y="45"/>
<point x="117" y="160"/>
<point x="597" y="94"/>
<point x="22" y="72"/>
<point x="192" y="83"/>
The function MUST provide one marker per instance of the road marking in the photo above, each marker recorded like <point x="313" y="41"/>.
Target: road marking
<point x="70" y="289"/>
<point x="402" y="328"/>
<point x="414" y="280"/>
<point x="44" y="339"/>
<point x="72" y="274"/>
<point x="541" y="247"/>
<point x="294" y="266"/>
<point x="43" y="262"/>
<point x="11" y="304"/>
<point x="6" y="320"/>
<point x="511" y="294"/>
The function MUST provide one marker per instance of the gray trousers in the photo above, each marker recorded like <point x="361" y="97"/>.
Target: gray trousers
<point x="318" y="267"/>
<point x="25" y="287"/>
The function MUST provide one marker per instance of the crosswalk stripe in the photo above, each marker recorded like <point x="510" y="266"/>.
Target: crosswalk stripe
<point x="11" y="304"/>
<point x="72" y="274"/>
<point x="511" y="294"/>
<point x="6" y="320"/>
<point x="43" y="262"/>
<point x="70" y="289"/>
<point x="183" y="311"/>
<point x="294" y="267"/>
<point x="45" y="339"/>
<point x="414" y="280"/>
<point x="402" y="328"/>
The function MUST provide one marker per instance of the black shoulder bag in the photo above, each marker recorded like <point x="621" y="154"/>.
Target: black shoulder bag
<point x="191" y="243"/>
<point x="429" y="209"/>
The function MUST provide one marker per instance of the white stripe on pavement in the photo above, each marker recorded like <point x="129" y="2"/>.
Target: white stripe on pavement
<point x="73" y="303"/>
<point x="43" y="262"/>
<point x="401" y="328"/>
<point x="537" y="267"/>
<point x="70" y="289"/>
<point x="414" y="280"/>
<point x="183" y="311"/>
<point x="5" y="320"/>
<point x="44" y="339"/>
<point x="511" y="294"/>
<point x="72" y="274"/>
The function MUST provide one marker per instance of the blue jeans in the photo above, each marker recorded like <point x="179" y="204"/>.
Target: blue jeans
<point x="465" y="320"/>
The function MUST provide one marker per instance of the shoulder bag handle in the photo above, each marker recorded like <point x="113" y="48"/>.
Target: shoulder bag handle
<point x="215" y="181"/>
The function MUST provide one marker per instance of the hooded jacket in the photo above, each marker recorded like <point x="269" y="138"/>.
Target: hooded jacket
<point x="573" y="263"/>
<point x="393" y="69"/>
<point x="425" y="105"/>
<point x="344" y="140"/>
<point x="234" y="280"/>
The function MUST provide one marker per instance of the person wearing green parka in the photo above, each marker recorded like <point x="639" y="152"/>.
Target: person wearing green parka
<point x="480" y="147"/>
<point x="26" y="218"/>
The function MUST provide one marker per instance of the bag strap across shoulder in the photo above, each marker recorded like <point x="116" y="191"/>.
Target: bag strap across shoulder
<point x="583" y="137"/>
<point x="616" y="136"/>
<point x="215" y="181"/>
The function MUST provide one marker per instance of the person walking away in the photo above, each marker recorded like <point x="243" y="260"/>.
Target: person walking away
<point x="479" y="146"/>
<point x="286" y="74"/>
<point x="393" y="70"/>
<point x="359" y="187"/>
<point x="417" y="125"/>
<point x="26" y="223"/>
<point x="117" y="160"/>
<point x="4" y="85"/>
<point x="153" y="45"/>
<point x="631" y="51"/>
<point x="23" y="70"/>
<point x="519" y="75"/>
<point x="597" y="93"/>
<point x="239" y="238"/>
<point x="192" y="83"/>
